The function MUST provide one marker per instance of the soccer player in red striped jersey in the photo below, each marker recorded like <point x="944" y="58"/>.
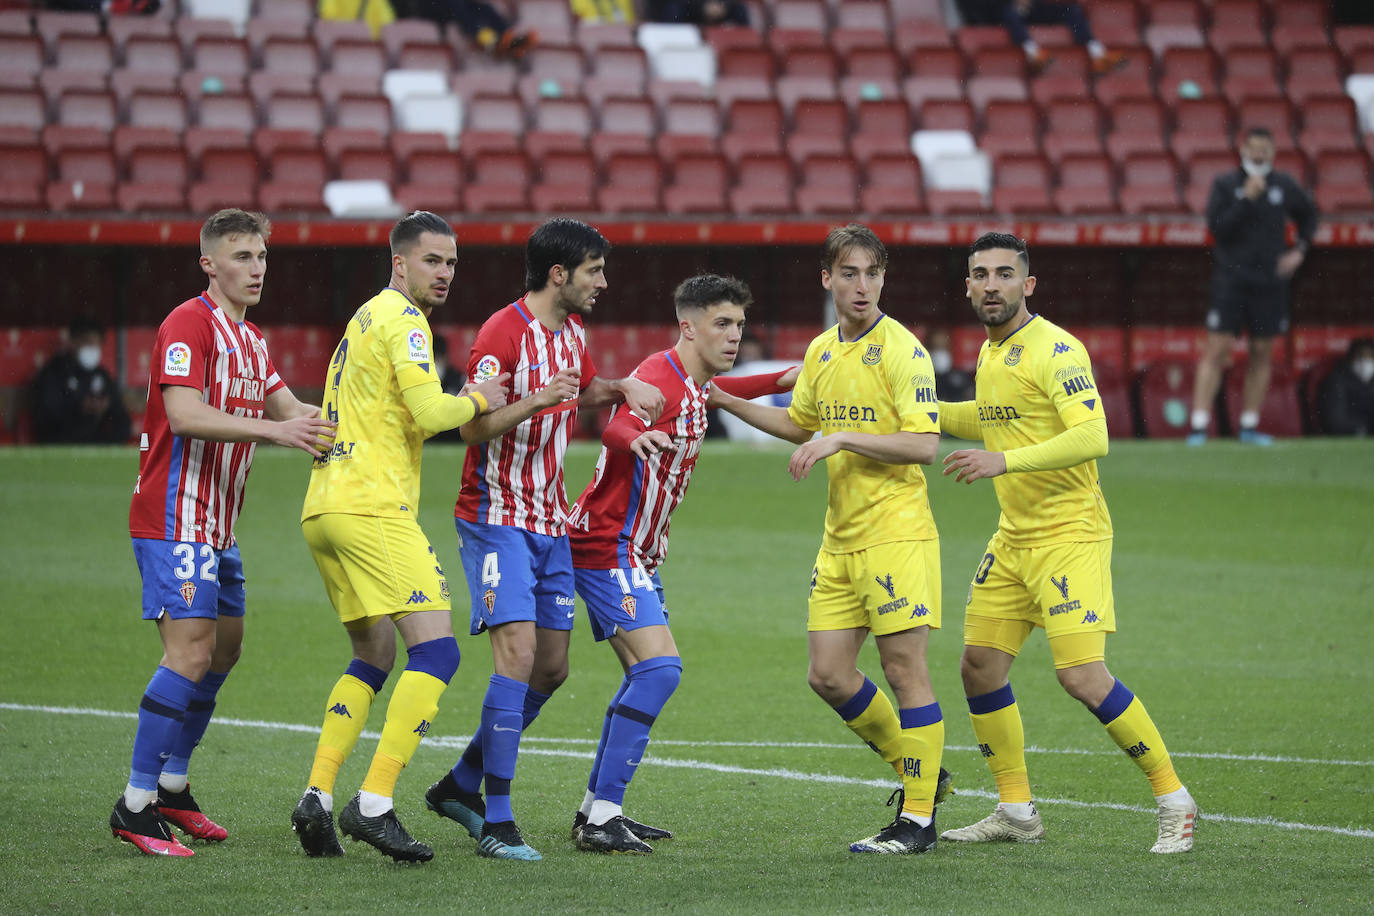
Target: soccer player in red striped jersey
<point x="213" y="395"/>
<point x="619" y="531"/>
<point x="511" y="512"/>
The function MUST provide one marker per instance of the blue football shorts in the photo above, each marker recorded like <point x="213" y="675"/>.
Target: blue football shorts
<point x="621" y="599"/>
<point x="189" y="579"/>
<point x="514" y="575"/>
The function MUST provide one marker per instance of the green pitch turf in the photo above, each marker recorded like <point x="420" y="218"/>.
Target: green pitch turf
<point x="1243" y="582"/>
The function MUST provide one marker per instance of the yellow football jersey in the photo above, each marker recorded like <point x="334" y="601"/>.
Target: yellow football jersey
<point x="1031" y="386"/>
<point x="883" y="382"/>
<point x="374" y="466"/>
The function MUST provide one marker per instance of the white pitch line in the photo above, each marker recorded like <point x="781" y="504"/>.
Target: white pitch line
<point x="460" y="741"/>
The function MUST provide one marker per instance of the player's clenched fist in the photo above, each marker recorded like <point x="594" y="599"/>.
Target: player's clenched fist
<point x="493" y="391"/>
<point x="562" y="387"/>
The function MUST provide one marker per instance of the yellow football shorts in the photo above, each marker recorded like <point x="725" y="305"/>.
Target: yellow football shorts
<point x="887" y="589"/>
<point x="1065" y="588"/>
<point x="375" y="566"/>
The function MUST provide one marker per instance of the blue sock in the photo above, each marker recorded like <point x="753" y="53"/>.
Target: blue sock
<point x="160" y="717"/>
<point x="467" y="772"/>
<point x="652" y="682"/>
<point x="502" y="722"/>
<point x="198" y="713"/>
<point x="605" y="733"/>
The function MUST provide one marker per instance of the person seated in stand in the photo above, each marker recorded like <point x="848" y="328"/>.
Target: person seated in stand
<point x="1017" y="15"/>
<point x="1347" y="401"/>
<point x="481" y="22"/>
<point x="75" y="398"/>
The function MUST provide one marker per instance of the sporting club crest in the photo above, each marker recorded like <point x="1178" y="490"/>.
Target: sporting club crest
<point x="627" y="604"/>
<point x="188" y="592"/>
<point x="489" y="599"/>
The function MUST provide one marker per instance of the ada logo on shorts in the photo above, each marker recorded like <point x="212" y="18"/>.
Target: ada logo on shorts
<point x="419" y="346"/>
<point x="178" y="360"/>
<point x="488" y="368"/>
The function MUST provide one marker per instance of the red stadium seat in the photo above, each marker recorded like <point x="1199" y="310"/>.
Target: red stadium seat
<point x="1022" y="185"/>
<point x="983" y="90"/>
<point x="1193" y="65"/>
<point x="492" y="124"/>
<point x="873" y="63"/>
<point x="1201" y="125"/>
<point x="84" y="179"/>
<point x="634" y="184"/>
<point x="1013" y="128"/>
<point x="567" y="182"/>
<point x="956" y="202"/>
<point x="699" y="184"/>
<point x="22" y="108"/>
<point x="1072" y="129"/>
<point x="1281" y="412"/>
<point x="1086" y="186"/>
<point x="881" y="126"/>
<point x="360" y="164"/>
<point x="297" y="181"/>
<point x="220" y="55"/>
<point x="753" y="126"/>
<point x="231" y="112"/>
<point x="763" y="185"/>
<point x="1291" y="14"/>
<point x="971" y="38"/>
<point x="1164" y="391"/>
<point x="892" y="184"/>
<point x="625" y="125"/>
<point x="937" y="62"/>
<point x="1250" y="71"/>
<point x="999" y="60"/>
<point x="23" y="175"/>
<point x="688" y="124"/>
<point x="157" y="109"/>
<point x="358" y="58"/>
<point x="434" y="181"/>
<point x="1329" y="123"/>
<point x="939" y="114"/>
<point x="153" y="53"/>
<point x="593" y="37"/>
<point x="1115" y="22"/>
<point x="1138" y="126"/>
<point x="562" y="124"/>
<point x="1149" y="184"/>
<point x="819" y="128"/>
<point x="1174" y="12"/>
<point x="289" y="111"/>
<point x="499" y="181"/>
<point x="800" y="14"/>
<point x="828" y="185"/>
<point x="1274" y="112"/>
<point x="290" y="55"/>
<point x="1343" y="182"/>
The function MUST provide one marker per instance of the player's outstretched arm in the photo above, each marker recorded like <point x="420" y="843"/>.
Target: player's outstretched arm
<point x="772" y="420"/>
<point x="639" y="396"/>
<point x="562" y="387"/>
<point x="188" y="415"/>
<point x="889" y="448"/>
<point x="960" y="418"/>
<point x="1085" y="442"/>
<point x="283" y="404"/>
<point x="436" y="411"/>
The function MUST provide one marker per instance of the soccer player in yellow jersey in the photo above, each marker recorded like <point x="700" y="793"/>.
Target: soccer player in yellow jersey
<point x="359" y="519"/>
<point x="1038" y="412"/>
<point x="868" y="387"/>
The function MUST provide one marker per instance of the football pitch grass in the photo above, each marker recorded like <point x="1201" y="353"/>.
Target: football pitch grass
<point x="1243" y="581"/>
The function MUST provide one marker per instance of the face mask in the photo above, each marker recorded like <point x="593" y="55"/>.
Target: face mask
<point x="941" y="360"/>
<point x="1363" y="369"/>
<point x="1256" y="168"/>
<point x="88" y="357"/>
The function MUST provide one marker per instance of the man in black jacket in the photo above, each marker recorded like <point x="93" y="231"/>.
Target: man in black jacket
<point x="75" y="399"/>
<point x="1248" y="212"/>
<point x="1347" y="400"/>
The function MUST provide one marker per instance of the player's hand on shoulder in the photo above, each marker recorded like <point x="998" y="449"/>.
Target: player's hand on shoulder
<point x="493" y="391"/>
<point x="562" y="387"/>
<point x="643" y="398"/>
<point x="651" y="442"/>
<point x="313" y="434"/>
<point x="970" y="464"/>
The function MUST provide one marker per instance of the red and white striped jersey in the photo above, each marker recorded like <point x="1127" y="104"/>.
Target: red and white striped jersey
<point x="517" y="478"/>
<point x="621" y="519"/>
<point x="191" y="489"/>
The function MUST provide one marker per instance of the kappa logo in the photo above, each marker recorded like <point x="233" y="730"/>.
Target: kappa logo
<point x="627" y="604"/>
<point x="886" y="583"/>
<point x="825" y="357"/>
<point x="919" y="610"/>
<point x="918" y="353"/>
<point x="411" y="310"/>
<point x="417" y="597"/>
<point x="1091" y="617"/>
<point x="1062" y="583"/>
<point x="422" y="729"/>
<point x="188" y="592"/>
<point x="1060" y="348"/>
<point x="340" y="709"/>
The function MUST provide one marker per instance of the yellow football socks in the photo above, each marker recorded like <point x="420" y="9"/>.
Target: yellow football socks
<point x="1002" y="741"/>
<point x="1131" y="727"/>
<point x="413" y="705"/>
<point x="345" y="715"/>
